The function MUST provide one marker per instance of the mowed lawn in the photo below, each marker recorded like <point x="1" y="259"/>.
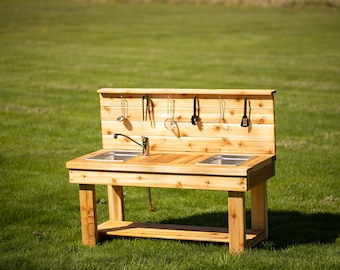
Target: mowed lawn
<point x="55" y="54"/>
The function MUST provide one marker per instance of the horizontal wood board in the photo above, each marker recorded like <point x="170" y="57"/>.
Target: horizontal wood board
<point x="172" y="231"/>
<point x="158" y="180"/>
<point x="219" y="128"/>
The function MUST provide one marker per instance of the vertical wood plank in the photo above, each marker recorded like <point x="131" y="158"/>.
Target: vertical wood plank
<point x="236" y="221"/>
<point x="259" y="216"/>
<point x="115" y="203"/>
<point x="88" y="214"/>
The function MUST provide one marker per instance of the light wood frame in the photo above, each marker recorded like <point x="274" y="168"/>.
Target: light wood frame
<point x="179" y="168"/>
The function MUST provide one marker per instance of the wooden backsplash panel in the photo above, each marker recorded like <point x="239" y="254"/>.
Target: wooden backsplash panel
<point x="219" y="130"/>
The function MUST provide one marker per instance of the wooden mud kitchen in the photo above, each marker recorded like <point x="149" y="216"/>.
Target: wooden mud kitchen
<point x="206" y="139"/>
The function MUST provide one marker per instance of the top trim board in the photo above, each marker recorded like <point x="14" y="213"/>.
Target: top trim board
<point x="167" y="91"/>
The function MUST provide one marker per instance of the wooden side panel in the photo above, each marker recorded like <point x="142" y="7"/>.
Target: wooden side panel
<point x="261" y="175"/>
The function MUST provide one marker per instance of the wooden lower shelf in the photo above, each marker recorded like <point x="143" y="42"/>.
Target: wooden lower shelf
<point x="175" y="232"/>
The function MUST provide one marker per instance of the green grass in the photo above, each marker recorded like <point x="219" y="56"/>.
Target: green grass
<point x="55" y="54"/>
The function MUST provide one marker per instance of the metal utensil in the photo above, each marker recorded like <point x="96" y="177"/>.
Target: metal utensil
<point x="144" y="107"/>
<point x="123" y="107"/>
<point x="245" y="120"/>
<point x="195" y="117"/>
<point x="222" y="119"/>
<point x="170" y="122"/>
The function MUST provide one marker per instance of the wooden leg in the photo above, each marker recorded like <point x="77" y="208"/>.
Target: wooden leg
<point x="88" y="214"/>
<point x="236" y="220"/>
<point x="259" y="218"/>
<point x="116" y="203"/>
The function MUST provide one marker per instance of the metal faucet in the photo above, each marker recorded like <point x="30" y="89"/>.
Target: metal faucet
<point x="144" y="144"/>
<point x="146" y="150"/>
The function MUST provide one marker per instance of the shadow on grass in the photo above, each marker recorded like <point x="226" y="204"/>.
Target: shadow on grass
<point x="286" y="228"/>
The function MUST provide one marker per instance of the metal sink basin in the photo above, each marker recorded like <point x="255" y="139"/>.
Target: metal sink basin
<point x="226" y="159"/>
<point x="115" y="155"/>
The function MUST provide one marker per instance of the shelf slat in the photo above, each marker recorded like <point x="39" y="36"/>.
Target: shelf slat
<point x="171" y="231"/>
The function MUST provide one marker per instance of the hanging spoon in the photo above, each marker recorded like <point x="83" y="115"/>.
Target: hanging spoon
<point x="170" y="122"/>
<point x="122" y="106"/>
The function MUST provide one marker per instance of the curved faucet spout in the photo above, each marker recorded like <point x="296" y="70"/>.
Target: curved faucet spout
<point x="144" y="144"/>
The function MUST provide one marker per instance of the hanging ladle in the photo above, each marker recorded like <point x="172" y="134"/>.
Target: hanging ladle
<point x="123" y="108"/>
<point x="170" y="122"/>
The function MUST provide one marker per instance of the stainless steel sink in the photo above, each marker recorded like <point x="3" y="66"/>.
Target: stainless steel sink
<point x="226" y="159"/>
<point x="115" y="155"/>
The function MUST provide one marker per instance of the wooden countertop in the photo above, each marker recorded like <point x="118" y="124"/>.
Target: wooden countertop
<point x="171" y="163"/>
